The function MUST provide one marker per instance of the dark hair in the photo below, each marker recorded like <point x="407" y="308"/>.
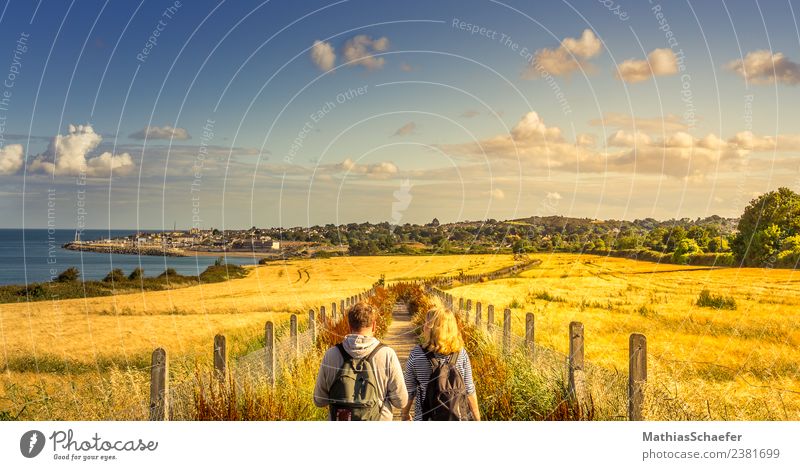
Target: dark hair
<point x="361" y="315"/>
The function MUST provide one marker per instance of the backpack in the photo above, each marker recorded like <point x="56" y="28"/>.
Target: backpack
<point x="354" y="392"/>
<point x="446" y="395"/>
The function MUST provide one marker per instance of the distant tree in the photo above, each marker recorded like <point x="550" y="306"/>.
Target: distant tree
<point x="69" y="275"/>
<point x="684" y="250"/>
<point x="672" y="237"/>
<point x="765" y="223"/>
<point x="718" y="245"/>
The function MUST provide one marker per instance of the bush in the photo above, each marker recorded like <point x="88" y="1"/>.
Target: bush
<point x="69" y="275"/>
<point x="115" y="275"/>
<point x="169" y="272"/>
<point x="707" y="299"/>
<point x="136" y="274"/>
<point x="684" y="249"/>
<point x="222" y="272"/>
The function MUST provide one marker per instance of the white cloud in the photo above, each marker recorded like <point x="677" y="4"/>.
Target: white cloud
<point x="567" y="58"/>
<point x="323" y="55"/>
<point x="161" y="133"/>
<point x="680" y="155"/>
<point x="406" y="129"/>
<point x="586" y="140"/>
<point x="667" y="123"/>
<point x="375" y="170"/>
<point x="659" y="62"/>
<point x="11" y="159"/>
<point x="553" y="197"/>
<point x="764" y="67"/>
<point x="498" y="194"/>
<point x="360" y="49"/>
<point x="67" y="155"/>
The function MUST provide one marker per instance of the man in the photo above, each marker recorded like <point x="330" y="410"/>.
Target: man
<point x="360" y="379"/>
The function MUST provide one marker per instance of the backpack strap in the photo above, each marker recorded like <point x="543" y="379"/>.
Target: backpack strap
<point x="345" y="355"/>
<point x="375" y="351"/>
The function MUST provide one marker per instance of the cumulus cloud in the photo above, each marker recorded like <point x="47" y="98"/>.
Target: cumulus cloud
<point x="406" y="129"/>
<point x="764" y="67"/>
<point x="11" y="159"/>
<point x="498" y="194"/>
<point x="586" y="140"/>
<point x="323" y="55"/>
<point x="659" y="62"/>
<point x="360" y="49"/>
<point x="679" y="154"/>
<point x="161" y="133"/>
<point x="375" y="170"/>
<point x="67" y="155"/>
<point x="567" y="58"/>
<point x="667" y="123"/>
<point x="406" y="67"/>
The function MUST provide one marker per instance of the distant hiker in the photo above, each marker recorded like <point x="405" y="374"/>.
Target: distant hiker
<point x="360" y="379"/>
<point x="439" y="375"/>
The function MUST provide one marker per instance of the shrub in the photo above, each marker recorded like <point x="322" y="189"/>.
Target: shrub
<point x="69" y="275"/>
<point x="684" y="249"/>
<point x="136" y="274"/>
<point x="546" y="296"/>
<point x="222" y="272"/>
<point x="115" y="275"/>
<point x="707" y="299"/>
<point x="169" y="272"/>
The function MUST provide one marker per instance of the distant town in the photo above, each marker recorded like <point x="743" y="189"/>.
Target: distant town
<point x="527" y="235"/>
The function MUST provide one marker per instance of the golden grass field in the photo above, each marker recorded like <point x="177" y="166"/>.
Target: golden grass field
<point x="87" y="358"/>
<point x="703" y="363"/>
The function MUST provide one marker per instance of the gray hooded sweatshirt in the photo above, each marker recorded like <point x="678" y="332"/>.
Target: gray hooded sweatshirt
<point x="388" y="372"/>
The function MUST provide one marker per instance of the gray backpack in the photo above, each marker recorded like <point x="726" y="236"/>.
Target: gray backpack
<point x="354" y="393"/>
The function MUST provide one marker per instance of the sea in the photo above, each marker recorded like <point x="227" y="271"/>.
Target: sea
<point x="35" y="255"/>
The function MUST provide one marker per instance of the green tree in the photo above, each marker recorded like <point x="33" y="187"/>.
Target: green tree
<point x="684" y="249"/>
<point x="765" y="223"/>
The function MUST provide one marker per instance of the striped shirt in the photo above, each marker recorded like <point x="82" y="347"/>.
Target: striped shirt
<point x="418" y="374"/>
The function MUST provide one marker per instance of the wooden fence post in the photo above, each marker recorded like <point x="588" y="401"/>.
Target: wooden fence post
<point x="490" y="317"/>
<point x="159" y="386"/>
<point x="576" y="374"/>
<point x="312" y="326"/>
<point x="529" y="329"/>
<point x="294" y="344"/>
<point x="269" y="351"/>
<point x="322" y="316"/>
<point x="333" y="312"/>
<point x="637" y="375"/>
<point x="220" y="357"/>
<point x="478" y="314"/>
<point x="343" y="311"/>
<point x="507" y="330"/>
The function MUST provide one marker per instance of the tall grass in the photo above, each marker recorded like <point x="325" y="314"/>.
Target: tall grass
<point x="241" y="396"/>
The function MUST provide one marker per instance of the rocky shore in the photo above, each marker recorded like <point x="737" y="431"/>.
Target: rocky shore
<point x="123" y="249"/>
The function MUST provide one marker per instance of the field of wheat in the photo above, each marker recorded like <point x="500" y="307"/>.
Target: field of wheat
<point x="88" y="358"/>
<point x="734" y="357"/>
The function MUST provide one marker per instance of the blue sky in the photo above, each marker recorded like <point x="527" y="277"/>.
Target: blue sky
<point x="463" y="125"/>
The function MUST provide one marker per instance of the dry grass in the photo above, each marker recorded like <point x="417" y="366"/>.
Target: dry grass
<point x="704" y="363"/>
<point x="58" y="357"/>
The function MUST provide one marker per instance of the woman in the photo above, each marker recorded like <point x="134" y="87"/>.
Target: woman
<point x="441" y="343"/>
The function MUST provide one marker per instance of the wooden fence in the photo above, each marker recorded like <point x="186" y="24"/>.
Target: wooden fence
<point x="263" y="362"/>
<point x="576" y="367"/>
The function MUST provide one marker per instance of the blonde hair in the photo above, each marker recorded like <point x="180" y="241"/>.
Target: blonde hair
<point x="440" y="333"/>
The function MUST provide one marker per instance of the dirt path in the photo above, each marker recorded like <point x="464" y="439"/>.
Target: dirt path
<point x="401" y="337"/>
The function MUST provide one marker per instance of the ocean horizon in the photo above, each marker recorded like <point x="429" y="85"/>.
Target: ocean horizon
<point x="35" y="255"/>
